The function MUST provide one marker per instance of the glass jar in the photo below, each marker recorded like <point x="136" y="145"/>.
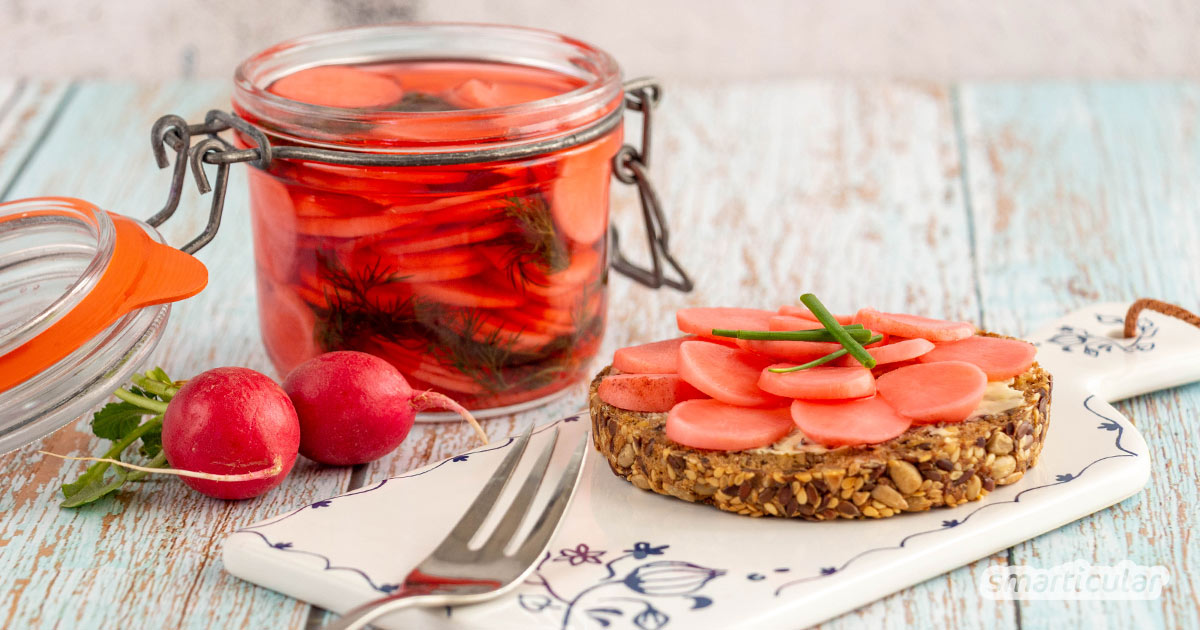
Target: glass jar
<point x="484" y="279"/>
<point x="85" y="296"/>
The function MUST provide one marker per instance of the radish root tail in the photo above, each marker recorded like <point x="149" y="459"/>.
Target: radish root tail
<point x="433" y="400"/>
<point x="264" y="473"/>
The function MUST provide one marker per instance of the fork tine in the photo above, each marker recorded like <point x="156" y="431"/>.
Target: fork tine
<point x="521" y="503"/>
<point x="470" y="522"/>
<point x="548" y="522"/>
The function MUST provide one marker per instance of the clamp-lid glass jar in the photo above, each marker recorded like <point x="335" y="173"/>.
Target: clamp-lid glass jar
<point x="479" y="266"/>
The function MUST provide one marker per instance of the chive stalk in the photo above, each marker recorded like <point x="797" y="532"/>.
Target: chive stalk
<point x="836" y="354"/>
<point x="819" y="334"/>
<point x="852" y="346"/>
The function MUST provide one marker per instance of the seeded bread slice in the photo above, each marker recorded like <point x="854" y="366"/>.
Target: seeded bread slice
<point x="928" y="466"/>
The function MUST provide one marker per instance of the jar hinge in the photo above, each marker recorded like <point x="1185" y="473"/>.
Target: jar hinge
<point x="630" y="166"/>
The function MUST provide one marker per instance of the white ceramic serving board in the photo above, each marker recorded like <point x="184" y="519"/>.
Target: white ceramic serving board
<point x="625" y="558"/>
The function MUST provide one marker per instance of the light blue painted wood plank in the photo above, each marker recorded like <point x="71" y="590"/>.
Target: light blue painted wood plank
<point x="1083" y="193"/>
<point x="150" y="559"/>
<point x="27" y="109"/>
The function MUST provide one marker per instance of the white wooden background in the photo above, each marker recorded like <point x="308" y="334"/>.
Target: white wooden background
<point x="1006" y="204"/>
<point x="694" y="39"/>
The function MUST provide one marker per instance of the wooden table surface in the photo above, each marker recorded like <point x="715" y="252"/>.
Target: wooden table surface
<point x="1006" y="204"/>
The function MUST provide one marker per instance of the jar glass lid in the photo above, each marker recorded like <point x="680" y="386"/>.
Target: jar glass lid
<point x="84" y="296"/>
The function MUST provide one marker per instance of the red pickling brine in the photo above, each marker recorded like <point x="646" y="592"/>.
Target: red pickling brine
<point x="485" y="281"/>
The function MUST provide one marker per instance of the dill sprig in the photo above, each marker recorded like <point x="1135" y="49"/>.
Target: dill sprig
<point x="350" y="315"/>
<point x="537" y="244"/>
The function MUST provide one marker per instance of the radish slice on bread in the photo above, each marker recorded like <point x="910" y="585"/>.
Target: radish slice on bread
<point x="914" y="326"/>
<point x="947" y="391"/>
<point x="646" y="392"/>
<point x="727" y="374"/>
<point x="819" y="383"/>
<point x="903" y="350"/>
<point x="999" y="358"/>
<point x="702" y="321"/>
<point x="848" y="422"/>
<point x="714" y="425"/>
<point x="659" y="357"/>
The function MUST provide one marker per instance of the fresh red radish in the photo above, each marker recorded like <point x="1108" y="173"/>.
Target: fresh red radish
<point x="819" y="383"/>
<point x="714" y="425"/>
<point x="926" y="393"/>
<point x="702" y="321"/>
<point x="355" y="407"/>
<point x="914" y="326"/>
<point x="795" y="351"/>
<point x="659" y="357"/>
<point x="338" y="86"/>
<point x="999" y="358"/>
<point x="848" y="422"/>
<point x="726" y="374"/>
<point x="231" y="421"/>
<point x="902" y="350"/>
<point x="803" y="312"/>
<point x="646" y="392"/>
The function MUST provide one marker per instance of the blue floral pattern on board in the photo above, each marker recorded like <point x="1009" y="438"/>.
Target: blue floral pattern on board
<point x="1072" y="339"/>
<point x="627" y="591"/>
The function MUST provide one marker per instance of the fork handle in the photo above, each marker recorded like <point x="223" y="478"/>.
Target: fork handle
<point x="362" y="616"/>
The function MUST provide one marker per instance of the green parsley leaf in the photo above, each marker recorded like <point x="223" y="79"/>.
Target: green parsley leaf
<point x="116" y="419"/>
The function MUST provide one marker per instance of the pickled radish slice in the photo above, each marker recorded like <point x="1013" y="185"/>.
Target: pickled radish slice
<point x="579" y="203"/>
<point x="354" y="226"/>
<point x="584" y="264"/>
<point x="487" y="328"/>
<point x="527" y="320"/>
<point x="714" y="425"/>
<point x="795" y="351"/>
<point x="819" y="383"/>
<point x="848" y="422"/>
<point x="328" y="204"/>
<point x="274" y="226"/>
<point x="283" y="315"/>
<point x="702" y="321"/>
<point x="914" y="326"/>
<point x="999" y="358"/>
<point x="646" y="392"/>
<point x="902" y="350"/>
<point x="659" y="357"/>
<point x="443" y="264"/>
<point x="726" y="374"/>
<point x="442" y="238"/>
<point x="947" y="391"/>
<point x="467" y="292"/>
<point x="803" y="313"/>
<point x="338" y="86"/>
<point x="477" y="94"/>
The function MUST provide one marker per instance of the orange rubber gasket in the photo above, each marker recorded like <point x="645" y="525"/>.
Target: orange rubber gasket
<point x="141" y="272"/>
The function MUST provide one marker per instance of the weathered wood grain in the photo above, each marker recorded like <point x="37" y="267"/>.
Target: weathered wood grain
<point x="27" y="108"/>
<point x="1083" y="193"/>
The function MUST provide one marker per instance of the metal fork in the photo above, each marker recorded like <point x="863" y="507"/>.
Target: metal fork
<point x="454" y="573"/>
